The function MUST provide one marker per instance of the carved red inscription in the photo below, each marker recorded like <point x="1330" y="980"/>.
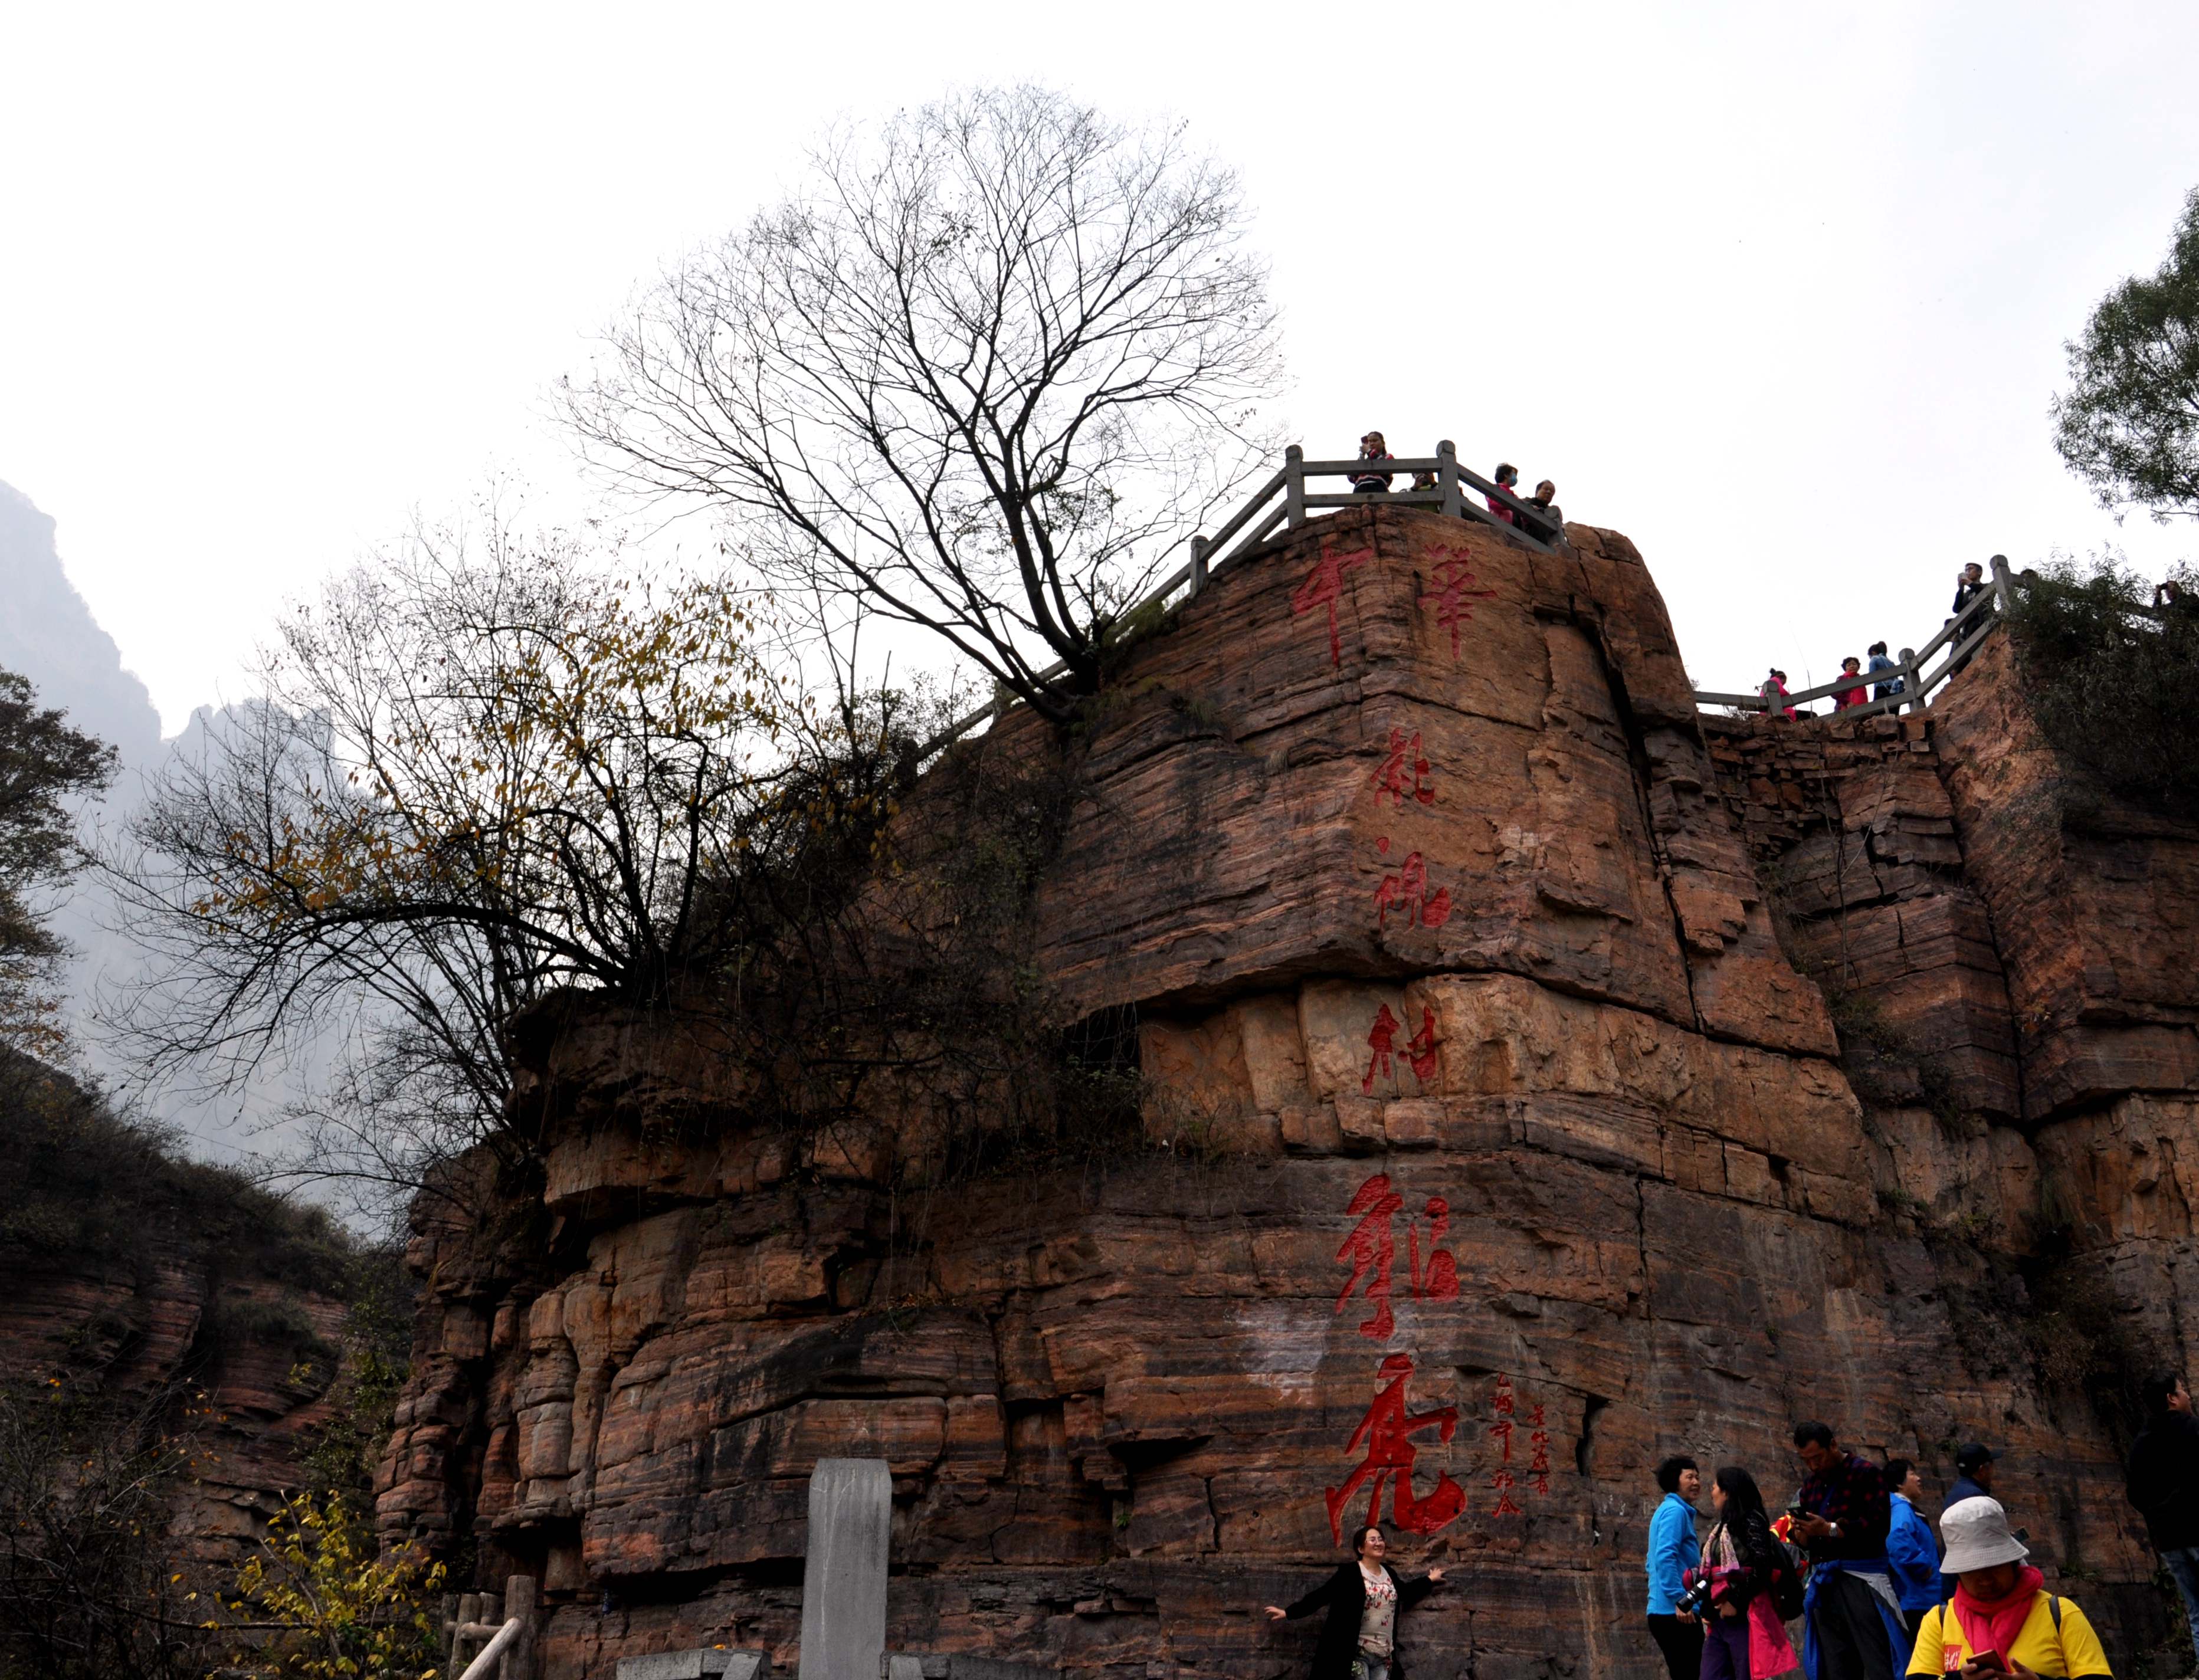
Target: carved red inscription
<point x="1371" y="1250"/>
<point x="1390" y="778"/>
<point x="1452" y="598"/>
<point x="1324" y="587"/>
<point x="1387" y="1431"/>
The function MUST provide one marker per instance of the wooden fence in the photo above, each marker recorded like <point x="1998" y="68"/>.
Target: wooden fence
<point x="1958" y="639"/>
<point x="1284" y="500"/>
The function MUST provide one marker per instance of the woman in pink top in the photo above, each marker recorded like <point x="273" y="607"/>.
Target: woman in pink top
<point x="1853" y="689"/>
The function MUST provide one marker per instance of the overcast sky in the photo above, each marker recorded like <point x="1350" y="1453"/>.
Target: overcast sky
<point x="1779" y="291"/>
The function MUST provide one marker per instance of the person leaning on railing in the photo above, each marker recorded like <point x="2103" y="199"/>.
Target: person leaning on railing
<point x="1508" y="479"/>
<point x="1371" y="448"/>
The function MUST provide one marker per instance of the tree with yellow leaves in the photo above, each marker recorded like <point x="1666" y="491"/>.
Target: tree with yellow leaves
<point x="318" y="1602"/>
<point x="486" y="766"/>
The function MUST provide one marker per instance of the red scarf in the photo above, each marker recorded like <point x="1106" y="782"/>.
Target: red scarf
<point x="1992" y="1624"/>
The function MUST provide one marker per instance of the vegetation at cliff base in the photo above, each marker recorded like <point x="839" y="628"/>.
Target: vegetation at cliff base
<point x="2112" y="679"/>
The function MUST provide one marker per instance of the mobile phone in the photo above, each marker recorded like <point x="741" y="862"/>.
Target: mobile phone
<point x="1991" y="1661"/>
<point x="1796" y="1512"/>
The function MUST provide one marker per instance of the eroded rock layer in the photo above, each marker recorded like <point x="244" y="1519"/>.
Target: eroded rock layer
<point x="1499" y="1142"/>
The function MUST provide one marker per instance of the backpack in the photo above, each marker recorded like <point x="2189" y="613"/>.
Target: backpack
<point x="1786" y="1581"/>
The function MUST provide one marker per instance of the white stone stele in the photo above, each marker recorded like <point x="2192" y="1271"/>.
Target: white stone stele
<point x="695" y="1666"/>
<point x="843" y="1574"/>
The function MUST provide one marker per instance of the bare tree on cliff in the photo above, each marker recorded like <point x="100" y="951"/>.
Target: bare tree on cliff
<point x="483" y="770"/>
<point x="984" y="373"/>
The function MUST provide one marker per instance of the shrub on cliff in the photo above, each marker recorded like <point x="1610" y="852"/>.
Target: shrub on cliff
<point x="2111" y="682"/>
<point x="318" y="1602"/>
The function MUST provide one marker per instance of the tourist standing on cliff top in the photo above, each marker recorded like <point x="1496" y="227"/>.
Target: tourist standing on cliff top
<point x="1851" y="1622"/>
<point x="1364" y="1599"/>
<point x="1879" y="661"/>
<point x="1373" y="448"/>
<point x="1850" y="689"/>
<point x="2164" y="1484"/>
<point x="1673" y="1552"/>
<point x="1507" y="478"/>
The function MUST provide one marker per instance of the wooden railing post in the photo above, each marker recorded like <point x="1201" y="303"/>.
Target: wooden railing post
<point x="2004" y="586"/>
<point x="1197" y="564"/>
<point x="1911" y="695"/>
<point x="522" y="1661"/>
<point x="1447" y="478"/>
<point x="1294" y="485"/>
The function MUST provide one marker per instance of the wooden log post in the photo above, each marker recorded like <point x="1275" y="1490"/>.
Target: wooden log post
<point x="1294" y="485"/>
<point x="1447" y="479"/>
<point x="521" y="1604"/>
<point x="1911" y="694"/>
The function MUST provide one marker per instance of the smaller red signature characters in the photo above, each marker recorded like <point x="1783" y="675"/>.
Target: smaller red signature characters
<point x="1540" y="1440"/>
<point x="1451" y="597"/>
<point x="1388" y="1429"/>
<point x="1324" y="587"/>
<point x="1501" y="1431"/>
<point x="1390" y="778"/>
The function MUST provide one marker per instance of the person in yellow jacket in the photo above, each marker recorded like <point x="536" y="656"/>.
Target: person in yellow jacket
<point x="2001" y="1620"/>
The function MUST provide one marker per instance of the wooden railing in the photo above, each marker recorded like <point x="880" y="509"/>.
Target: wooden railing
<point x="1284" y="500"/>
<point x="1958" y="639"/>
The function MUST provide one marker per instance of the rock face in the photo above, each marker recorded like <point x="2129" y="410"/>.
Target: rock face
<point x="175" y="1295"/>
<point x="1500" y="1141"/>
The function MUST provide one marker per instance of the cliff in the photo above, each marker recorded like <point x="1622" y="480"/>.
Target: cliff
<point x="1535" y="1080"/>
<point x="154" y="1295"/>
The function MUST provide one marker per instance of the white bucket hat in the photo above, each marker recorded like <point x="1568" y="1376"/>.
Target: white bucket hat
<point x="1977" y="1536"/>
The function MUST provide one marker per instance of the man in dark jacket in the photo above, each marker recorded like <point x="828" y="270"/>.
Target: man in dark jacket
<point x="1852" y="1618"/>
<point x="2164" y="1484"/>
<point x="1974" y="1473"/>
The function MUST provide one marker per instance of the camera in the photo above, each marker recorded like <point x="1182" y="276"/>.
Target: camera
<point x="1695" y="1598"/>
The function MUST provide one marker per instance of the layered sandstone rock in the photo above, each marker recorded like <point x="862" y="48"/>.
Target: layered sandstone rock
<point x="1496" y="1146"/>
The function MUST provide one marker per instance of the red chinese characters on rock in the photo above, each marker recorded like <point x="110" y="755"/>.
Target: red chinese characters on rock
<point x="1390" y="778"/>
<point x="1324" y="587"/>
<point x="1540" y="1441"/>
<point x="1371" y="1251"/>
<point x="1420" y="1055"/>
<point x="1387" y="1429"/>
<point x="1451" y="596"/>
<point x="1419" y="1051"/>
<point x="1501" y="1431"/>
<point x="1407" y="892"/>
<point x="1439" y="1283"/>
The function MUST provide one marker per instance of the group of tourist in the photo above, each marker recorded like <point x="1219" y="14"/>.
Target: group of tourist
<point x="1858" y="683"/>
<point x="1373" y="479"/>
<point x="1882" y="1595"/>
<point x="1853" y="1558"/>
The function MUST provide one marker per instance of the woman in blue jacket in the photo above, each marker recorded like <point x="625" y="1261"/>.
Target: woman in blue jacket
<point x="1674" y="1550"/>
<point x="1912" y="1552"/>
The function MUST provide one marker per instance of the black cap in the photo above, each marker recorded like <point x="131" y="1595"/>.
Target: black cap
<point x="1971" y="1455"/>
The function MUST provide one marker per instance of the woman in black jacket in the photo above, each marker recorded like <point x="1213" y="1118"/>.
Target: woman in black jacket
<point x="1740" y="1559"/>
<point x="1365" y="1597"/>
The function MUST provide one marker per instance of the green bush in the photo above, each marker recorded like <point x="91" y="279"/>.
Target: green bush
<point x="2113" y="684"/>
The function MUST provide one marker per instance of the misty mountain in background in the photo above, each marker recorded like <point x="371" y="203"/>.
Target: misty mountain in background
<point x="48" y="635"/>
